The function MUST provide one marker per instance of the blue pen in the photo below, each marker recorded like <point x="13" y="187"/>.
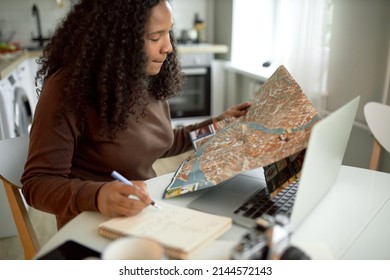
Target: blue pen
<point x="119" y="177"/>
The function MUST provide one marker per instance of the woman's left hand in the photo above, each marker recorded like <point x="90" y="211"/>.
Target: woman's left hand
<point x="234" y="111"/>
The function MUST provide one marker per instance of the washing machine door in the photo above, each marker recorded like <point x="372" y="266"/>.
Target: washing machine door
<point x="22" y="113"/>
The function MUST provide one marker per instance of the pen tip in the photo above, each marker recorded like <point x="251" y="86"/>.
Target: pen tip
<point x="155" y="205"/>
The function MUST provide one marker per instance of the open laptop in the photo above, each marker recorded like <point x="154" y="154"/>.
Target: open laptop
<point x="323" y="159"/>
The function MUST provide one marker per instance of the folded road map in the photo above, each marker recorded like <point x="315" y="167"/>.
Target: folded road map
<point x="276" y="126"/>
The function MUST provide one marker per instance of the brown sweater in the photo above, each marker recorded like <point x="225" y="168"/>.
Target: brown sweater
<point x="68" y="163"/>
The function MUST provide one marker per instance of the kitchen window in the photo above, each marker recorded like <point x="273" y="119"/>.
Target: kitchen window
<point x="253" y="30"/>
<point x="293" y="33"/>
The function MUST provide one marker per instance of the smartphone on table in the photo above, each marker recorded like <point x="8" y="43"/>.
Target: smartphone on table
<point x="71" y="250"/>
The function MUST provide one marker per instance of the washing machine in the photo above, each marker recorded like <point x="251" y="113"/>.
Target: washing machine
<point x="17" y="102"/>
<point x="17" y="106"/>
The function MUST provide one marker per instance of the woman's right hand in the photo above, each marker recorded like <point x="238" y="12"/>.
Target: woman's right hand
<point x="113" y="199"/>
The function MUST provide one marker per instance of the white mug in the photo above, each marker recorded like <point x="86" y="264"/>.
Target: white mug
<point x="134" y="249"/>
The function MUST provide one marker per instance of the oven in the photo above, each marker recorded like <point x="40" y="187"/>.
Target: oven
<point x="195" y="97"/>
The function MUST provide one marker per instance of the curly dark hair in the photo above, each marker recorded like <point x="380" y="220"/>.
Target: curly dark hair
<point x="100" y="47"/>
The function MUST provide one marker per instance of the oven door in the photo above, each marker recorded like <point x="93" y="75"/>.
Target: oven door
<point x="194" y="100"/>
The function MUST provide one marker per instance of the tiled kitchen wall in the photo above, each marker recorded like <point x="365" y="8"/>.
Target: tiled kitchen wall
<point x="17" y="17"/>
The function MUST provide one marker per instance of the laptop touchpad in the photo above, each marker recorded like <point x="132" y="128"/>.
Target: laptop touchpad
<point x="242" y="184"/>
<point x="224" y="198"/>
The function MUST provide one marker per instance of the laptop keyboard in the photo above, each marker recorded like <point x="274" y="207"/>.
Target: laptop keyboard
<point x="261" y="202"/>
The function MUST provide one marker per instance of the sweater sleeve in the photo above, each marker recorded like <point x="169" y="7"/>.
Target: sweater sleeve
<point x="182" y="142"/>
<point x="47" y="182"/>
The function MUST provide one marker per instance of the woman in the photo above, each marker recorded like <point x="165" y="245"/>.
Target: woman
<point x="106" y="74"/>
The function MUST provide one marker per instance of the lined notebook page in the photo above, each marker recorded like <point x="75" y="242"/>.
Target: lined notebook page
<point x="179" y="229"/>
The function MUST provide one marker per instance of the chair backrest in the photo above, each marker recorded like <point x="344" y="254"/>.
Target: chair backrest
<point x="13" y="156"/>
<point x="377" y="116"/>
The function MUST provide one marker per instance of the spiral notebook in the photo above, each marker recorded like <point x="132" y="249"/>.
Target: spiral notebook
<point x="181" y="231"/>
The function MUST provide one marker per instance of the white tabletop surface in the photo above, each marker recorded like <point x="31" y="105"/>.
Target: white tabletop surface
<point x="352" y="217"/>
<point x="351" y="222"/>
<point x="84" y="228"/>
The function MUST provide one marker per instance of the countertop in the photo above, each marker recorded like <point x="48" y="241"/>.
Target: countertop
<point x="257" y="72"/>
<point x="8" y="65"/>
<point x="202" y="48"/>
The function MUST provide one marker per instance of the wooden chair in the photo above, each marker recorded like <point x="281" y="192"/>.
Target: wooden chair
<point x="378" y="116"/>
<point x="13" y="154"/>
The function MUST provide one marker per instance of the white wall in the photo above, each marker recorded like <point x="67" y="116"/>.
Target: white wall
<point x="18" y="17"/>
<point x="359" y="48"/>
<point x="184" y="13"/>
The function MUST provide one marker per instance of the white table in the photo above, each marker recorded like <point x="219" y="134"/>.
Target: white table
<point x="358" y="230"/>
